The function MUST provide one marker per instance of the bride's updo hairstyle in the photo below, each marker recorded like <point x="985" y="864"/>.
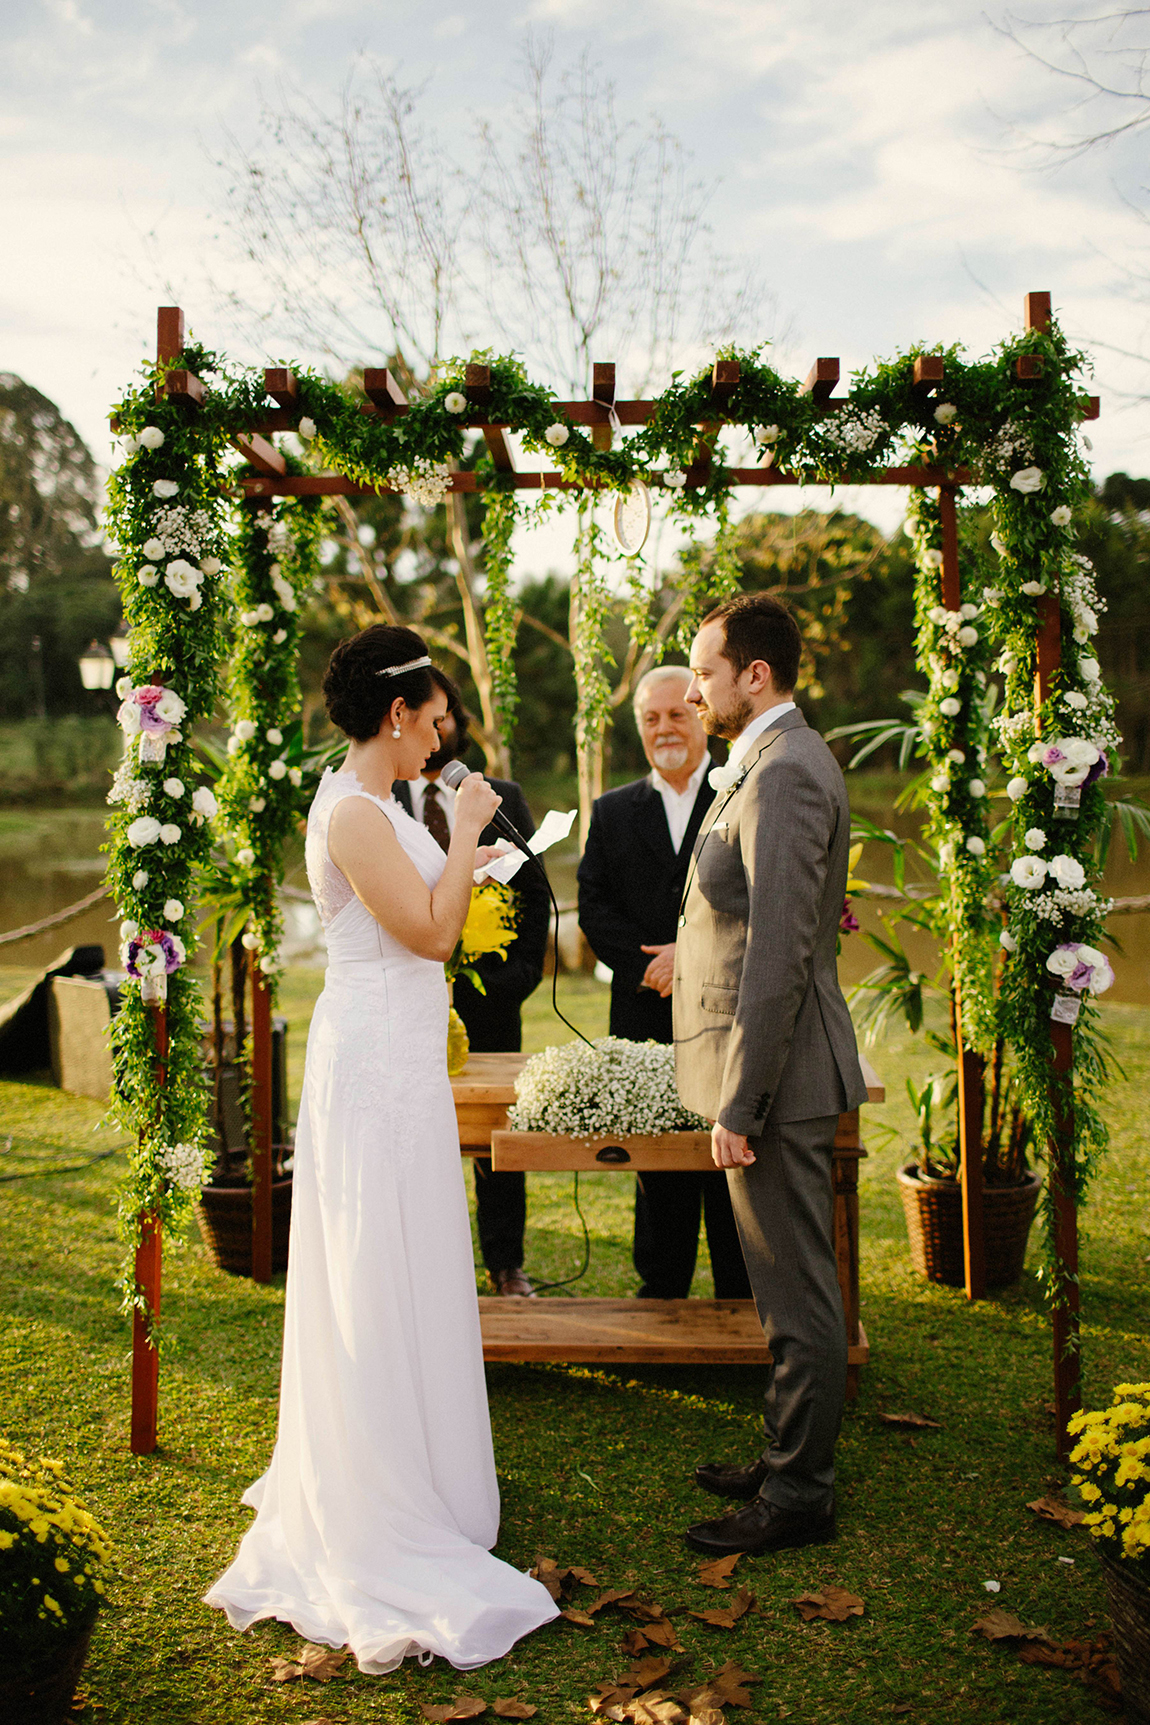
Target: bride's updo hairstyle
<point x="361" y="682"/>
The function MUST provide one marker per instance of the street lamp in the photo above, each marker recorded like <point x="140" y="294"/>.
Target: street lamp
<point x="121" y="646"/>
<point x="97" y="667"/>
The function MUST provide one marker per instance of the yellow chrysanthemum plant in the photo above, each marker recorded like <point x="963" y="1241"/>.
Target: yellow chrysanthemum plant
<point x="490" y="927"/>
<point x="1112" y="1462"/>
<point x="55" y="1562"/>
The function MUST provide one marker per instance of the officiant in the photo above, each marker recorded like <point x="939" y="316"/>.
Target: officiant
<point x="492" y="1020"/>
<point x="631" y="883"/>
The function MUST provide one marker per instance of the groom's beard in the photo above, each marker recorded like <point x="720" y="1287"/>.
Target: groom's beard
<point x="730" y="722"/>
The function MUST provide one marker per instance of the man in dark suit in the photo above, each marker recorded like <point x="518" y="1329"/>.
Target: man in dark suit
<point x="492" y="1019"/>
<point x="631" y="882"/>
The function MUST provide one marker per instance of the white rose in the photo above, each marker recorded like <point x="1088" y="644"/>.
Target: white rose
<point x="151" y="437"/>
<point x="949" y="679"/>
<point x="1076" y="699"/>
<point x="1007" y="942"/>
<point x="967" y="637"/>
<point x="249" y="941"/>
<point x="1061" y="963"/>
<point x="140" y="879"/>
<point x="1064" y="773"/>
<point x="1035" y="839"/>
<point x="307" y="428"/>
<point x="267" y="965"/>
<point x="1079" y="751"/>
<point x="174" y="787"/>
<point x="245" y="730"/>
<point x="1036" y="751"/>
<point x="169" y="834"/>
<point x="264" y="613"/>
<point x="940" y="783"/>
<point x="456" y="402"/>
<point x="170" y="708"/>
<point x="1067" y="872"/>
<point x="210" y="565"/>
<point x="204" y="803"/>
<point x="976" y="846"/>
<point x="277" y="770"/>
<point x="275" y="736"/>
<point x="173" y="910"/>
<point x="932" y="559"/>
<point x="1091" y="955"/>
<point x="123" y="687"/>
<point x="182" y="580"/>
<point x="992" y="595"/>
<point x="1089" y="670"/>
<point x="279" y="637"/>
<point x="1017" y="789"/>
<point x="976" y="788"/>
<point x="144" y="831"/>
<point x="249" y="619"/>
<point x="938" y="614"/>
<point x="970" y="612"/>
<point x="950" y="707"/>
<point x="1034" y="589"/>
<point x="146" y="575"/>
<point x="1086" y="619"/>
<point x="1061" y="516"/>
<point x="131" y="444"/>
<point x="946" y="413"/>
<point x="556" y="435"/>
<point x="245" y="858"/>
<point x="165" y="488"/>
<point x="154" y="549"/>
<point x="194" y="601"/>
<point x="1028" y="872"/>
<point x="1028" y="480"/>
<point x="129" y="929"/>
<point x="257" y="805"/>
<point x="295" y="774"/>
<point x="958" y="756"/>
<point x="674" y="478"/>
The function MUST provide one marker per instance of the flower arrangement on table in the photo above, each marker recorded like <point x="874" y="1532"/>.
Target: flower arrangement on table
<point x="1112" y="1458"/>
<point x="55" y="1561"/>
<point x="611" y="1087"/>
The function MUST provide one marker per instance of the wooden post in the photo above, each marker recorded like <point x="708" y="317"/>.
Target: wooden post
<point x="148" y="1270"/>
<point x="971" y="1066"/>
<point x="261" y="1094"/>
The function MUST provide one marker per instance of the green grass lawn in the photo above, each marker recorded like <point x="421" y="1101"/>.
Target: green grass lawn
<point x="595" y="1466"/>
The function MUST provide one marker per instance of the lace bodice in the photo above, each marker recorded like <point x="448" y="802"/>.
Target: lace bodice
<point x="352" y="932"/>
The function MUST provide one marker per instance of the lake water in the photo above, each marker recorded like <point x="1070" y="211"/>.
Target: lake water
<point x="51" y="858"/>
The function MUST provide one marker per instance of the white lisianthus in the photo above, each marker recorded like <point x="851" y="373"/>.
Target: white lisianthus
<point x="932" y="559"/>
<point x="140" y="880"/>
<point x="257" y="805"/>
<point x="123" y="687"/>
<point x="1091" y="955"/>
<point x="250" y="941"/>
<point x="306" y="428"/>
<point x="958" y="756"/>
<point x="128" y="718"/>
<point x="174" y="787"/>
<point x="1061" y="516"/>
<point x="967" y="637"/>
<point x="246" y="857"/>
<point x="1063" y="961"/>
<point x="976" y="846"/>
<point x="275" y="736"/>
<point x="165" y="488"/>
<point x="129" y="929"/>
<point x="268" y="965"/>
<point x="170" y="708"/>
<point x="279" y="637"/>
<point x="556" y="435"/>
<point x="992" y="595"/>
<point x="1086" y="619"/>
<point x="154" y="549"/>
<point x="1066" y="773"/>
<point x="940" y="783"/>
<point x="938" y="615"/>
<point x="946" y="413"/>
<point x="131" y="444"/>
<point x="264" y="613"/>
<point x="949" y="679"/>
<point x="1028" y="872"/>
<point x="1079" y="751"/>
<point x="1067" y="872"/>
<point x="969" y="612"/>
<point x="169" y="833"/>
<point x="277" y="770"/>
<point x="1035" y="839"/>
<point x="173" y="910"/>
<point x="1007" y="942"/>
<point x="675" y="478"/>
<point x="976" y="788"/>
<point x="146" y="575"/>
<point x="249" y="619"/>
<point x="455" y="402"/>
<point x="210" y="565"/>
<point x="244" y="730"/>
<point x="295" y="774"/>
<point x="767" y="434"/>
<point x="1034" y="589"/>
<point x="151" y="437"/>
<point x="1028" y="480"/>
<point x="950" y="706"/>
<point x="1017" y="789"/>
<point x="1076" y="699"/>
<point x="1089" y="670"/>
<point x="144" y="831"/>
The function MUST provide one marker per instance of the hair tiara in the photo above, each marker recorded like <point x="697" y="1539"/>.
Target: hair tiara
<point x="411" y="665"/>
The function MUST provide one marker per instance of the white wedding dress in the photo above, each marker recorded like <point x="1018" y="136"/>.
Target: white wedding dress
<point x="376" y="1515"/>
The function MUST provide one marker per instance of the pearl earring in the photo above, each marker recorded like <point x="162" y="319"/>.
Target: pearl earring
<point x="395" y="733"/>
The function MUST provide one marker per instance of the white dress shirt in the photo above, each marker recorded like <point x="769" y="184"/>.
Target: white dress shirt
<point x="677" y="805"/>
<point x="418" y="788"/>
<point x="755" y="729"/>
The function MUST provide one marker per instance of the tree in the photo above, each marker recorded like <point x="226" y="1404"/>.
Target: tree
<point x="56" y="590"/>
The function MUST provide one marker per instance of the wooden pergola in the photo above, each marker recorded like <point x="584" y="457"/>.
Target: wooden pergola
<point x="602" y="412"/>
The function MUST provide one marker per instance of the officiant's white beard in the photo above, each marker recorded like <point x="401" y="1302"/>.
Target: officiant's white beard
<point x="670" y="754"/>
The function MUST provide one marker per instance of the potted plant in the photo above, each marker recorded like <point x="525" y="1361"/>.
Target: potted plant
<point x="1112" y="1459"/>
<point x="54" y="1564"/>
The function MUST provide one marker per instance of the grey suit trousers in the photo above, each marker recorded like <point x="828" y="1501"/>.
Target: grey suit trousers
<point x="784" y="1210"/>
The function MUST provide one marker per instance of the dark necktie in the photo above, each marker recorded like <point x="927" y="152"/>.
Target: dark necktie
<point x="434" y="816"/>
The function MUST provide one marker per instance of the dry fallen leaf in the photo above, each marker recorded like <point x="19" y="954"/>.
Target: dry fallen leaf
<point x="1000" y="1625"/>
<point x="707" y="1716"/>
<point x="655" y="1708"/>
<point x="583" y="1575"/>
<point x="726" y="1616"/>
<point x="913" y="1422"/>
<point x="644" y="1609"/>
<point x="581" y="1617"/>
<point x="463" y="1707"/>
<point x="611" y="1696"/>
<point x="548" y="1572"/>
<point x="1053" y="1509"/>
<point x="661" y="1633"/>
<point x="716" y="1573"/>
<point x="284" y="1670"/>
<point x="612" y="1597"/>
<point x="508" y="1708"/>
<point x="322" y="1663"/>
<point x="834" y="1604"/>
<point x="730" y="1683"/>
<point x="645" y="1673"/>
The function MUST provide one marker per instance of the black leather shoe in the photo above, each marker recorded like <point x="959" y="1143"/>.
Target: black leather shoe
<point x="761" y="1526"/>
<point x="727" y="1480"/>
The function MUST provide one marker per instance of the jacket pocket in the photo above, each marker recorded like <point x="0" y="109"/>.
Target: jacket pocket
<point x="718" y="999"/>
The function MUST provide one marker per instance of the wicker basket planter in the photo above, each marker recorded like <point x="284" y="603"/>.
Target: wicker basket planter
<point x="44" y="1695"/>
<point x="224" y="1214"/>
<point x="933" y="1210"/>
<point x="1130" y="1621"/>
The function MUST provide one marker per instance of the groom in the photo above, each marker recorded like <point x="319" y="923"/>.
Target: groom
<point x="764" y="1047"/>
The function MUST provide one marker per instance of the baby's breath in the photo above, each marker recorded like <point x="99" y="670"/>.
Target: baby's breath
<point x="591" y="1091"/>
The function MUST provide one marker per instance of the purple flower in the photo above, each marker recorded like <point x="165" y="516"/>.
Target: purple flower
<point x="154" y="952"/>
<point x="848" y="921"/>
<point x="1099" y="770"/>
<point x="1052" y="756"/>
<point x="1080" y="977"/>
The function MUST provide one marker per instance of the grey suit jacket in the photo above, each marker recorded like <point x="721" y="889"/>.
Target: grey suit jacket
<point x="761" y="1026"/>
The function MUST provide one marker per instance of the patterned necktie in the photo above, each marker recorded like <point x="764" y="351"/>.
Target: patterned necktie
<point x="434" y="816"/>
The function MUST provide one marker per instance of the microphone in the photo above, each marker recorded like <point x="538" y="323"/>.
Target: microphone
<point x="453" y="776"/>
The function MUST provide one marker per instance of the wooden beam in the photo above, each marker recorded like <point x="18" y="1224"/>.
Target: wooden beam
<point x="724" y="381"/>
<point x="1036" y="311"/>
<point x="260" y="453"/>
<point x="383" y="391"/>
<point x="928" y="371"/>
<point x="502" y="458"/>
<point x="185" y="387"/>
<point x="169" y="334"/>
<point x="1093" y="409"/>
<point x="148" y="1271"/>
<point x="261" y="1102"/>
<point x="282" y="385"/>
<point x="477" y="384"/>
<point x="821" y="379"/>
<point x="603" y="392"/>
<point x="1029" y="367"/>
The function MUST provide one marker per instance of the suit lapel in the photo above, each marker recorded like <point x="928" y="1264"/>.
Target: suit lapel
<point x="651" y="820"/>
<point x="789" y="722"/>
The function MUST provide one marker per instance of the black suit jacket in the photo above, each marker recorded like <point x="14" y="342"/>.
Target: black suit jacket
<point x="630" y="889"/>
<point x="492" y="1019"/>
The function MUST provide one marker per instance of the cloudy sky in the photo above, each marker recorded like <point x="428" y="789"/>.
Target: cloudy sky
<point x="871" y="162"/>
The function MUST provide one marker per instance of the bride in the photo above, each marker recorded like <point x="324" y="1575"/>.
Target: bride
<point x="375" y="1518"/>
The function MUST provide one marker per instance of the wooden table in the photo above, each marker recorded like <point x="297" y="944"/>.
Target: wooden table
<point x="586" y="1331"/>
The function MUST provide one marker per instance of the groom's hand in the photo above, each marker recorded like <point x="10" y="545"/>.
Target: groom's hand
<point x="660" y="973"/>
<point x="730" y="1149"/>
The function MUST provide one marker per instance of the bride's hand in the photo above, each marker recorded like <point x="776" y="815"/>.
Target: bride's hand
<point x="475" y="802"/>
<point x="489" y="853"/>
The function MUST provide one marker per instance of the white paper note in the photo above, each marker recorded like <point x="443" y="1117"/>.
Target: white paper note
<point x="506" y="866"/>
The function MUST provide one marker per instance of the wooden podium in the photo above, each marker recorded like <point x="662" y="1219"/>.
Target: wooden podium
<point x="625" y="1332"/>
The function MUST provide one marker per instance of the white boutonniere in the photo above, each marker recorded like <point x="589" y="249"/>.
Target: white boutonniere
<point x="726" y="778"/>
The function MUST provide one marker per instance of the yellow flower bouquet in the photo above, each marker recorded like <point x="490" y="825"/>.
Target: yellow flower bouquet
<point x="490" y="927"/>
<point x="1112" y="1458"/>
<point x="54" y="1563"/>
